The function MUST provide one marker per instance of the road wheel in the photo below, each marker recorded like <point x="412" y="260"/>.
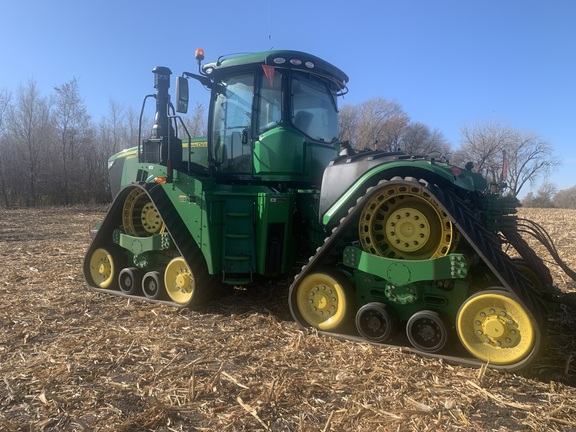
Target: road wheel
<point x="494" y="327"/>
<point x="179" y="281"/>
<point x="103" y="268"/>
<point x="323" y="300"/>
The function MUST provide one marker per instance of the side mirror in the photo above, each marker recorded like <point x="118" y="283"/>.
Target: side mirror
<point x="182" y="95"/>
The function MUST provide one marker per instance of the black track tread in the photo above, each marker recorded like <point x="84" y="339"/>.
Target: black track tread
<point x="179" y="234"/>
<point x="489" y="248"/>
<point x="486" y="244"/>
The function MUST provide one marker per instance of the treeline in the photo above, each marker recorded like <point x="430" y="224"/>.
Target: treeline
<point x="548" y="196"/>
<point x="53" y="153"/>
<point x="380" y="124"/>
<point x="500" y="153"/>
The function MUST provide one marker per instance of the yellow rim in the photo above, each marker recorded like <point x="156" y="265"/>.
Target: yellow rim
<point x="321" y="300"/>
<point x="102" y="268"/>
<point x="179" y="281"/>
<point x="140" y="216"/>
<point x="495" y="328"/>
<point x="404" y="221"/>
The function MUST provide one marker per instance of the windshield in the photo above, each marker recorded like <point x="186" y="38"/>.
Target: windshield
<point x="314" y="108"/>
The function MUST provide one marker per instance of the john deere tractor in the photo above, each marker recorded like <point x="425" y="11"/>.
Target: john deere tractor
<point x="394" y="249"/>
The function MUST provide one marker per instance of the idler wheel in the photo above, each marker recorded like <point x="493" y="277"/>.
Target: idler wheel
<point x="152" y="285"/>
<point x="130" y="280"/>
<point x="426" y="331"/>
<point x="375" y="323"/>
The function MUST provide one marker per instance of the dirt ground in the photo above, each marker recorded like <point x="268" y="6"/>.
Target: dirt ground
<point x="75" y="360"/>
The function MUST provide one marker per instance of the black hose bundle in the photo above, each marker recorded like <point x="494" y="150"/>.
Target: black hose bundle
<point x="529" y="227"/>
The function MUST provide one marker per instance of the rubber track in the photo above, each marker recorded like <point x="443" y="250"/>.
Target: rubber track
<point x="490" y="251"/>
<point x="178" y="231"/>
<point x="486" y="245"/>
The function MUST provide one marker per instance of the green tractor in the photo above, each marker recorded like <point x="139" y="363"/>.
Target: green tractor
<point x="394" y="249"/>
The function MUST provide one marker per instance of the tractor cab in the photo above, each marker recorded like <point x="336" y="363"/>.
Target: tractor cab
<point x="273" y="116"/>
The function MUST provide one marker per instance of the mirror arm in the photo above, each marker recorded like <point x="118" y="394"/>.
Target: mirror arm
<point x="205" y="81"/>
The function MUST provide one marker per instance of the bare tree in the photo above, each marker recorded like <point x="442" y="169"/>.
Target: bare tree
<point x="29" y="131"/>
<point x="5" y="150"/>
<point x="528" y="158"/>
<point x="348" y="122"/>
<point x="393" y="132"/>
<point x="378" y="124"/>
<point x="374" y="124"/>
<point x="484" y="145"/>
<point x="114" y="128"/>
<point x="196" y="122"/>
<point x="5" y="98"/>
<point x="417" y="138"/>
<point x="116" y="131"/>
<point x="72" y="123"/>
<point x="501" y="153"/>
<point x="132" y="123"/>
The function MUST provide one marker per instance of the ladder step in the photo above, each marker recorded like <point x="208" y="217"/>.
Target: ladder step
<point x="238" y="242"/>
<point x="237" y="257"/>
<point x="238" y="236"/>
<point x="237" y="281"/>
<point x="238" y="214"/>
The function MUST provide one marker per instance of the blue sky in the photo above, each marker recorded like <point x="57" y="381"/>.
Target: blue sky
<point x="448" y="63"/>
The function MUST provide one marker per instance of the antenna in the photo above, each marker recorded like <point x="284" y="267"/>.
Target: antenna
<point x="270" y="25"/>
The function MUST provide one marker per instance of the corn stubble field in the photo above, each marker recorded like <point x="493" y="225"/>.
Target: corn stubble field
<point x="75" y="360"/>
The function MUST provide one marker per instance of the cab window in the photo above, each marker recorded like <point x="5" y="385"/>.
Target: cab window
<point x="232" y="119"/>
<point x="314" y="108"/>
<point x="270" y="107"/>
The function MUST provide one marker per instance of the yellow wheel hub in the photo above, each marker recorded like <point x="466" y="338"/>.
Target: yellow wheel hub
<point x="321" y="300"/>
<point x="403" y="221"/>
<point x="140" y="216"/>
<point x="494" y="327"/>
<point x="183" y="281"/>
<point x="179" y="281"/>
<point x="102" y="268"/>
<point x="407" y="229"/>
<point x="151" y="221"/>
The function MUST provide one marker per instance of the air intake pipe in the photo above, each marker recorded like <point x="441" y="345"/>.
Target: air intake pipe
<point x="163" y="147"/>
